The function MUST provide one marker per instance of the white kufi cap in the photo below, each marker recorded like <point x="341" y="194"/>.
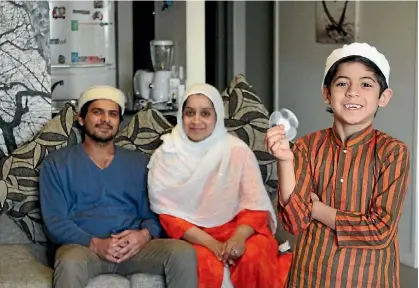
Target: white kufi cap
<point x="359" y="49"/>
<point x="102" y="92"/>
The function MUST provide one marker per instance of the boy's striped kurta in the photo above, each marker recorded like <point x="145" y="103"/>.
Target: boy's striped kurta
<point x="366" y="179"/>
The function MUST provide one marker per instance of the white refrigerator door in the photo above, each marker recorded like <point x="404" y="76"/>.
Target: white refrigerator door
<point x="83" y="49"/>
<point x="82" y="32"/>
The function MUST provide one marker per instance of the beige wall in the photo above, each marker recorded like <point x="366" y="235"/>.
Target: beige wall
<point x="184" y="23"/>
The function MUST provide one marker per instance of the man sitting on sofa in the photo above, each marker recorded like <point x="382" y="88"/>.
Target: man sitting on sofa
<point x="95" y="206"/>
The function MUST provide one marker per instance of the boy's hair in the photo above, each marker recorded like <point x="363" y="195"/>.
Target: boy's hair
<point x="371" y="66"/>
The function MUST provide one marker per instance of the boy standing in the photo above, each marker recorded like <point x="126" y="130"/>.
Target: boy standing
<point x="341" y="190"/>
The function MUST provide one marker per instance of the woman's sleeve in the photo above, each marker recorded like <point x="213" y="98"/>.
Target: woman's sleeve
<point x="254" y="200"/>
<point x="258" y="220"/>
<point x="174" y="227"/>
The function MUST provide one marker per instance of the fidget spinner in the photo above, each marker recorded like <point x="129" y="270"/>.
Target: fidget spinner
<point x="286" y="118"/>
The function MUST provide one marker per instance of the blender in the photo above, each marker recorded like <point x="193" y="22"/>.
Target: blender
<point x="162" y="59"/>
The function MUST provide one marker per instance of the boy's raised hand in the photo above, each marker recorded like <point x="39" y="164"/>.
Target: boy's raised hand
<point x="277" y="145"/>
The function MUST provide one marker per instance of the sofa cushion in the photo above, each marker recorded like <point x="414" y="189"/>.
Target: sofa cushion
<point x="11" y="233"/>
<point x="20" y="170"/>
<point x="248" y="119"/>
<point x="144" y="131"/>
<point x="24" y="266"/>
<point x="147" y="281"/>
<point x="109" y="281"/>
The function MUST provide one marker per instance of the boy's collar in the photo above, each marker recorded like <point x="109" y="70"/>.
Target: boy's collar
<point x="361" y="137"/>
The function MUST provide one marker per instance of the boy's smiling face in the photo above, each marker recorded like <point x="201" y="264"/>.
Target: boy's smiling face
<point x="354" y="96"/>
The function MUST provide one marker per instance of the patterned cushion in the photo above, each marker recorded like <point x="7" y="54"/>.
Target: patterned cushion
<point x="144" y="131"/>
<point x="20" y="170"/>
<point x="248" y="119"/>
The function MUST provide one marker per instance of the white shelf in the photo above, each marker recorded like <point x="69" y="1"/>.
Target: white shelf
<point x="81" y="65"/>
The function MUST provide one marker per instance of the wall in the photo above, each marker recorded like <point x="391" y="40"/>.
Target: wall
<point x="236" y="38"/>
<point x="25" y="77"/>
<point x="184" y="23"/>
<point x="249" y="38"/>
<point x="171" y="25"/>
<point x="125" y="46"/>
<point x="250" y="42"/>
<point x="195" y="42"/>
<point x="393" y="31"/>
<point x="259" y="54"/>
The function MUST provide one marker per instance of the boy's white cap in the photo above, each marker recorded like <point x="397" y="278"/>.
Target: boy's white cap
<point x="102" y="92"/>
<point x="359" y="49"/>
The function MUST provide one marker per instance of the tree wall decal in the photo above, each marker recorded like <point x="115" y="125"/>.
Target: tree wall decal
<point x="25" y="73"/>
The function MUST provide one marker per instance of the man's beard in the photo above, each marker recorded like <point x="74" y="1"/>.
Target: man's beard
<point x="96" y="138"/>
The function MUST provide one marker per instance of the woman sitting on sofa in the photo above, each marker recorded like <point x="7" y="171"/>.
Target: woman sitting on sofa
<point x="207" y="188"/>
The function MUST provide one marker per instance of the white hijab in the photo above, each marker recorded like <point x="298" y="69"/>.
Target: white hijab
<point x="192" y="180"/>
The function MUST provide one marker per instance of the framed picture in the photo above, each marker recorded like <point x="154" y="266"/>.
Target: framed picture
<point x="336" y="21"/>
<point x="97" y="4"/>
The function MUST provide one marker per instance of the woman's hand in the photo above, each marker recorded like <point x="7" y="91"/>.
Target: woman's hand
<point x="233" y="249"/>
<point x="216" y="247"/>
<point x="197" y="236"/>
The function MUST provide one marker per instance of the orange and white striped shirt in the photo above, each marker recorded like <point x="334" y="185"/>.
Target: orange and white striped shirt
<point x="366" y="180"/>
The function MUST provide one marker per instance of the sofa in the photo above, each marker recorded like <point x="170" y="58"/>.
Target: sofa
<point x="25" y="261"/>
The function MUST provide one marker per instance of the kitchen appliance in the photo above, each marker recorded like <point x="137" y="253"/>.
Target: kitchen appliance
<point x="155" y="86"/>
<point x="142" y="81"/>
<point x="162" y="59"/>
<point x="83" y="50"/>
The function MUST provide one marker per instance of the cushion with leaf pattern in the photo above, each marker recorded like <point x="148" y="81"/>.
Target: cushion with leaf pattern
<point x="144" y="131"/>
<point x="248" y="119"/>
<point x="19" y="195"/>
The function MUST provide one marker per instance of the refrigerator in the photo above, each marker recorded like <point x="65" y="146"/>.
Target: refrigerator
<point x="83" y="48"/>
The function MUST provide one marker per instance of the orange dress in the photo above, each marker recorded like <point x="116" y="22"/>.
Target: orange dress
<point x="257" y="268"/>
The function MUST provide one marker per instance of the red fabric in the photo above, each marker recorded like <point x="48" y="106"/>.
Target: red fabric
<point x="259" y="267"/>
<point x="284" y="265"/>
